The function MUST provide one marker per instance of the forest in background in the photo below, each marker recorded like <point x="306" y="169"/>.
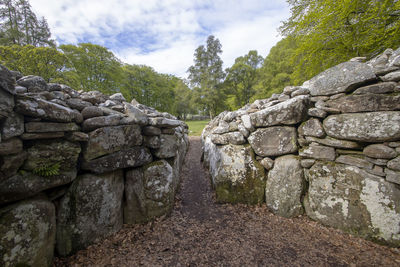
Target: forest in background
<point x="318" y="35"/>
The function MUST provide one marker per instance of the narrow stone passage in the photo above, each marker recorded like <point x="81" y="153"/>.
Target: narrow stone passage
<point x="200" y="232"/>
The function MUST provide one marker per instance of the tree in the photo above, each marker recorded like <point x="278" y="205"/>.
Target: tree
<point x="46" y="62"/>
<point x="92" y="67"/>
<point x="206" y="75"/>
<point x="242" y="77"/>
<point x="330" y="31"/>
<point x="277" y="69"/>
<point x="19" y="25"/>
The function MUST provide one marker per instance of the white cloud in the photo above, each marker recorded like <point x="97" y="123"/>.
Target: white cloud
<point x="164" y="33"/>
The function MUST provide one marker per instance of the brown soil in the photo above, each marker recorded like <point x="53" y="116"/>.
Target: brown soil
<point x="200" y="232"/>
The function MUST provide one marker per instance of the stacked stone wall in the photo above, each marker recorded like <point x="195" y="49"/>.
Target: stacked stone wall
<point x="75" y="166"/>
<point x="329" y="149"/>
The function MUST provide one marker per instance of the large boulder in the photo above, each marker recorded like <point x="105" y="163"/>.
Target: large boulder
<point x="274" y="141"/>
<point x="289" y="112"/>
<point x="48" y="164"/>
<point x="108" y="140"/>
<point x="366" y="127"/>
<point x="344" y="77"/>
<point x="90" y="211"/>
<point x="351" y="199"/>
<point x="285" y="187"/>
<point x="7" y="81"/>
<point x="34" y="84"/>
<point x="236" y="175"/>
<point x="149" y="192"/>
<point x="27" y="234"/>
<point x="126" y="158"/>
<point x="13" y="126"/>
<point x="169" y="146"/>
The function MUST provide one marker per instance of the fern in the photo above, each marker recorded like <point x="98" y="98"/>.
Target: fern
<point x="47" y="170"/>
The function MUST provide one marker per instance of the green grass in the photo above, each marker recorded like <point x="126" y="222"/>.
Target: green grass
<point x="196" y="127"/>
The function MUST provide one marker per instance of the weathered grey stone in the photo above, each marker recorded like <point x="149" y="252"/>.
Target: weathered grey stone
<point x="235" y="138"/>
<point x="288" y="90"/>
<point x="243" y="130"/>
<point x="168" y="148"/>
<point x="149" y="192"/>
<point x="376" y="170"/>
<point x="391" y="77"/>
<point x="223" y="127"/>
<point x="168" y="130"/>
<point x="94" y="97"/>
<point x="109" y="111"/>
<point x="367" y="127"/>
<point x="319" y="98"/>
<point x="333" y="97"/>
<point x="344" y="77"/>
<point x="98" y="122"/>
<point x="394" y="164"/>
<point x="118" y="97"/>
<point x="392" y="176"/>
<point x="289" y="112"/>
<point x="329" y="141"/>
<point x="43" y="109"/>
<point x="323" y="106"/>
<point x="90" y="211"/>
<point x="108" y="140"/>
<point x="91" y="112"/>
<point x="378" y="88"/>
<point x="394" y="144"/>
<point x="20" y="90"/>
<point x="7" y="81"/>
<point x="163" y="122"/>
<point x="312" y="127"/>
<point x="300" y="91"/>
<point x="6" y="102"/>
<point x="316" y="112"/>
<point x="77" y="137"/>
<point x="274" y="141"/>
<point x="11" y="146"/>
<point x="13" y="126"/>
<point x="233" y="126"/>
<point x="128" y="158"/>
<point x="268" y="163"/>
<point x="246" y="122"/>
<point x="355" y="161"/>
<point x="151" y="131"/>
<point x="135" y="115"/>
<point x="34" y="84"/>
<point x="230" y="116"/>
<point x="379" y="151"/>
<point x="349" y="152"/>
<point x="78" y="104"/>
<point x="219" y="139"/>
<point x="10" y="164"/>
<point x="152" y="141"/>
<point x="236" y="175"/>
<point x="318" y="152"/>
<point x="282" y="98"/>
<point x="46" y="127"/>
<point x="285" y="187"/>
<point x="380" y="162"/>
<point x="307" y="163"/>
<point x="370" y="209"/>
<point x="27" y="234"/>
<point x="365" y="102"/>
<point x="36" y="136"/>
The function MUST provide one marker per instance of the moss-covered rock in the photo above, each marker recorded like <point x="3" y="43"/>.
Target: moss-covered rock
<point x="27" y="233"/>
<point x="349" y="198"/>
<point x="90" y="211"/>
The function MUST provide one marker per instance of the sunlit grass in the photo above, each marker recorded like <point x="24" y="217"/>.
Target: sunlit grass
<point x="196" y="127"/>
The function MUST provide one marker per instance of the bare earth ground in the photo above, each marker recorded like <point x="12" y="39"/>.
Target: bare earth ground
<point x="200" y="232"/>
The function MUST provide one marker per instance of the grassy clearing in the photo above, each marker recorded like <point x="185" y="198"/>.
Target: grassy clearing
<point x="196" y="127"/>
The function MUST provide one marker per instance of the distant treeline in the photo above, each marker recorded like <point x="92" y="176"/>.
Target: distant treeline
<point x="318" y="35"/>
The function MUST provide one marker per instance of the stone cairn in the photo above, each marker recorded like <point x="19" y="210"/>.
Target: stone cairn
<point x="328" y="149"/>
<point x="75" y="166"/>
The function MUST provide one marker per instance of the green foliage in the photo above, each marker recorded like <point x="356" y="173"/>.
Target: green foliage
<point x="92" y="67"/>
<point x="47" y="170"/>
<point x="241" y="79"/>
<point x="46" y="62"/>
<point x="206" y="76"/>
<point x="19" y="25"/>
<point x="329" y="32"/>
<point x="276" y="71"/>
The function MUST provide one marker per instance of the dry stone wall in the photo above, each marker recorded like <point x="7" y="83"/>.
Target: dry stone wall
<point x="329" y="149"/>
<point x="75" y="166"/>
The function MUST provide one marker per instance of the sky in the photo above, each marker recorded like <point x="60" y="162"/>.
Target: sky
<point x="164" y="34"/>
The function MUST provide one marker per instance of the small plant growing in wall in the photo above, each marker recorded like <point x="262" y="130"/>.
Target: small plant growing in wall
<point x="47" y="170"/>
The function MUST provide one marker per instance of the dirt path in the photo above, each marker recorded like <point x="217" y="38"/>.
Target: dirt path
<point x="201" y="233"/>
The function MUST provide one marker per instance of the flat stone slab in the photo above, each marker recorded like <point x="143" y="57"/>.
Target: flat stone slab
<point x="365" y="102"/>
<point x="127" y="158"/>
<point x="369" y="127"/>
<point x="46" y="127"/>
<point x="344" y="77"/>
